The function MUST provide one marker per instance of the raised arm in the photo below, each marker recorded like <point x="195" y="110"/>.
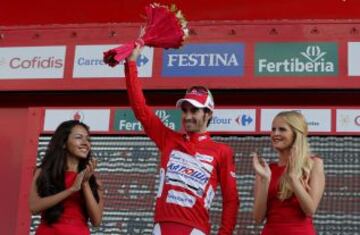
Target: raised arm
<point x="229" y="194"/>
<point x="38" y="204"/>
<point x="309" y="199"/>
<point x="153" y="126"/>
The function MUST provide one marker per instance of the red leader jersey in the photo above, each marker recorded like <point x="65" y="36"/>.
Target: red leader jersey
<point x="191" y="166"/>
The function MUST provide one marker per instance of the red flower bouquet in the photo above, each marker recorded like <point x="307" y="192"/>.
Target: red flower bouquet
<point x="165" y="28"/>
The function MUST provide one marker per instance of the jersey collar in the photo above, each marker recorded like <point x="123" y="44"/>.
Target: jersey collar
<point x="197" y="137"/>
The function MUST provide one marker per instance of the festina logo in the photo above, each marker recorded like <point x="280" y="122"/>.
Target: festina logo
<point x="297" y="58"/>
<point x="204" y="60"/>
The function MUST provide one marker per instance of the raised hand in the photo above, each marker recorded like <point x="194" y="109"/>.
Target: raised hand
<point x="89" y="170"/>
<point x="260" y="166"/>
<point x="291" y="166"/>
<point x="297" y="175"/>
<point x="135" y="53"/>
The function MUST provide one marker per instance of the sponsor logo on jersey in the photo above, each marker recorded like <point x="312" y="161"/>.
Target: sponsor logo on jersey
<point x="180" y="198"/>
<point x="210" y="194"/>
<point x="204" y="157"/>
<point x="188" y="172"/>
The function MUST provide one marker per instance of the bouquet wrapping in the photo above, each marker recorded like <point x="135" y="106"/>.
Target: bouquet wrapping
<point x="166" y="27"/>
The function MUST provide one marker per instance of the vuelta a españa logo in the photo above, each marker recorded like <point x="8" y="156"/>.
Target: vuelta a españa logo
<point x="78" y="116"/>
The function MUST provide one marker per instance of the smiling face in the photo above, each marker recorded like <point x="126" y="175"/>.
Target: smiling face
<point x="78" y="142"/>
<point x="194" y="119"/>
<point x="282" y="136"/>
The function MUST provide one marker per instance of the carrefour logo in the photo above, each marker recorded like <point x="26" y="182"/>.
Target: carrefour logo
<point x="88" y="62"/>
<point x="96" y="61"/>
<point x="204" y="60"/>
<point x="301" y="59"/>
<point x="244" y="120"/>
<point x="233" y="120"/>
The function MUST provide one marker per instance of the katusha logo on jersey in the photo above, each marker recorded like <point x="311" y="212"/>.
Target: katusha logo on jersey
<point x="195" y="174"/>
<point x="300" y="59"/>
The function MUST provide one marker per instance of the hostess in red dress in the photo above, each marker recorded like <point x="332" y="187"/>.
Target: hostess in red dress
<point x="73" y="221"/>
<point x="284" y="217"/>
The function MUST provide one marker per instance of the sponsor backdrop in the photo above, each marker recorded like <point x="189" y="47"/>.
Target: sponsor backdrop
<point x="125" y="120"/>
<point x="234" y="120"/>
<point x="318" y="120"/>
<point x="354" y="58"/>
<point x="296" y="59"/>
<point x="204" y="60"/>
<point x="88" y="63"/>
<point x="250" y="60"/>
<point x="348" y="120"/>
<point x="32" y="62"/>
<point x="96" y="119"/>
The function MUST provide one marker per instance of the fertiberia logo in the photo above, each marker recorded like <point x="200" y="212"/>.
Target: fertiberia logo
<point x="296" y="59"/>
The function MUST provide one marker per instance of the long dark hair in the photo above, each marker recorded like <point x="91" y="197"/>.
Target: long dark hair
<point x="53" y="166"/>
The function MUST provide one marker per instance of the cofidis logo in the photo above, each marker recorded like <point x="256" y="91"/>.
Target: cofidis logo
<point x="197" y="60"/>
<point x="32" y="62"/>
<point x="299" y="59"/>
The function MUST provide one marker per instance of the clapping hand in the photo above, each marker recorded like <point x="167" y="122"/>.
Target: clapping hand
<point x="78" y="182"/>
<point x="260" y="166"/>
<point x="89" y="170"/>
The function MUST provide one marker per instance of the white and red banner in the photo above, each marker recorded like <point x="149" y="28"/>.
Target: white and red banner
<point x="348" y="120"/>
<point x="318" y="120"/>
<point x="354" y="58"/>
<point x="226" y="120"/>
<point x="88" y="63"/>
<point x="97" y="119"/>
<point x="60" y="60"/>
<point x="233" y="120"/>
<point x="41" y="62"/>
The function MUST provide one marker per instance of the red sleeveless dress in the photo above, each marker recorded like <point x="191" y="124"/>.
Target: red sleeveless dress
<point x="73" y="221"/>
<point x="284" y="217"/>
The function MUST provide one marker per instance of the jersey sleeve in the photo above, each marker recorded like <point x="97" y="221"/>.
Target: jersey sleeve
<point x="152" y="124"/>
<point x="229" y="192"/>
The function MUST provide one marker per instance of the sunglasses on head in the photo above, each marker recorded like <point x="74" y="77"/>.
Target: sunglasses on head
<point x="197" y="90"/>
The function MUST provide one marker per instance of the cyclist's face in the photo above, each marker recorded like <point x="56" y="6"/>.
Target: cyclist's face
<point x="194" y="119"/>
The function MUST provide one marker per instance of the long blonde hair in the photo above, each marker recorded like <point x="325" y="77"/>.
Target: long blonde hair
<point x="300" y="150"/>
